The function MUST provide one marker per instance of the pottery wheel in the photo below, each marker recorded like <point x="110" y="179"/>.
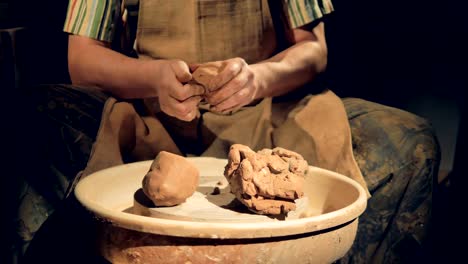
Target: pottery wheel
<point x="211" y="202"/>
<point x="115" y="196"/>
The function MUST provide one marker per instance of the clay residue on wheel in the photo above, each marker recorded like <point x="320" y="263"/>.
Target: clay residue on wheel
<point x="267" y="181"/>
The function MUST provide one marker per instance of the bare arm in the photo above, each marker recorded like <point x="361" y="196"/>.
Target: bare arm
<point x="93" y="63"/>
<point x="240" y="84"/>
<point x="294" y="66"/>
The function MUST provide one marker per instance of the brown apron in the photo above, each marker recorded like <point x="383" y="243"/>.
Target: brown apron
<point x="205" y="30"/>
<point x="208" y="30"/>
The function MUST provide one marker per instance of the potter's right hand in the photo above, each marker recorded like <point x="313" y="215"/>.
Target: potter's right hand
<point x="176" y="96"/>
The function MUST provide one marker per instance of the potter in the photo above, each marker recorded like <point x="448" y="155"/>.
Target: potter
<point x="267" y="92"/>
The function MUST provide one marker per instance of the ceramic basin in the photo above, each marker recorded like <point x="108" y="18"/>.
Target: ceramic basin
<point x="207" y="229"/>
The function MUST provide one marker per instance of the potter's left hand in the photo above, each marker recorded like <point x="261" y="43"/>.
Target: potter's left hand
<point x="236" y="86"/>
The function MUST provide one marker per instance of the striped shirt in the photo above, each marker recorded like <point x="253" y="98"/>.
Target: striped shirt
<point x="97" y="18"/>
<point x="92" y="18"/>
<point x="302" y="12"/>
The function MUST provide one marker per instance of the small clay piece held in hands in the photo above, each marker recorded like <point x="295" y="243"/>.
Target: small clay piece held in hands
<point x="204" y="74"/>
<point x="170" y="180"/>
<point x="267" y="181"/>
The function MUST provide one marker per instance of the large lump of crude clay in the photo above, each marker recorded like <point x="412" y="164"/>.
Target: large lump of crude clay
<point x="170" y="180"/>
<point x="267" y="181"/>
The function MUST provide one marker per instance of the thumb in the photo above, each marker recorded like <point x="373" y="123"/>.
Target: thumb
<point x="181" y="71"/>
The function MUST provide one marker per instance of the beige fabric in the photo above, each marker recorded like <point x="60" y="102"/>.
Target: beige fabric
<point x="125" y="135"/>
<point x="205" y="30"/>
<point x="316" y="127"/>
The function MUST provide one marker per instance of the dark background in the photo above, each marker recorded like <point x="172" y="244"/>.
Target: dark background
<point x="408" y="54"/>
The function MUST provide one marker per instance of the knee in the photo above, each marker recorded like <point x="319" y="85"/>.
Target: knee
<point x="423" y="155"/>
<point x="423" y="145"/>
<point x="382" y="125"/>
<point x="387" y="139"/>
<point x="419" y="154"/>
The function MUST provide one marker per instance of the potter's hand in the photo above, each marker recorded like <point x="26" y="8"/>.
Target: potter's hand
<point x="176" y="96"/>
<point x="236" y="86"/>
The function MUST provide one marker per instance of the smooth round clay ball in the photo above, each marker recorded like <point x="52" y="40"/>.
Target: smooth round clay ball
<point x="170" y="180"/>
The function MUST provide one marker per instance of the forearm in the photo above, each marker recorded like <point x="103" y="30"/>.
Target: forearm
<point x="293" y="67"/>
<point x="91" y="63"/>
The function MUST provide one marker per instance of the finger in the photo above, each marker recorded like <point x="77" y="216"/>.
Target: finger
<point x="192" y="115"/>
<point x="232" y="87"/>
<point x="169" y="106"/>
<point x="181" y="70"/>
<point x="183" y="92"/>
<point x="196" y="89"/>
<point x="182" y="110"/>
<point x="192" y="104"/>
<point x="229" y="72"/>
<point x="234" y="102"/>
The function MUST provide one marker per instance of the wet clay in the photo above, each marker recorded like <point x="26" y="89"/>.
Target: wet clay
<point x="204" y="74"/>
<point x="267" y="181"/>
<point x="170" y="180"/>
